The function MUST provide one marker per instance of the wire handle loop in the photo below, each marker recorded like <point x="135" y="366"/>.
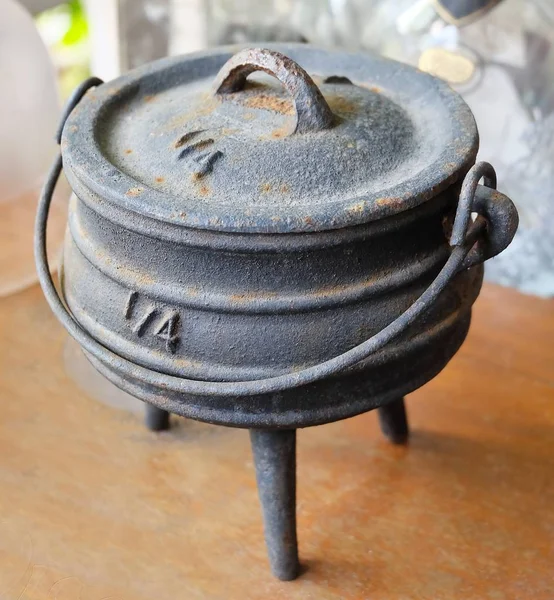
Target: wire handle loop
<point x="466" y="235"/>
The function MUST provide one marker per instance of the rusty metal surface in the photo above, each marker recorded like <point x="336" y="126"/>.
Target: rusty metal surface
<point x="418" y="358"/>
<point x="284" y="330"/>
<point x="273" y="323"/>
<point x="159" y="143"/>
<point x="311" y="109"/>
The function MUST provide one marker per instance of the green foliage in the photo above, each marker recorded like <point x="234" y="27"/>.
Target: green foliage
<point x="65" y="32"/>
<point x="78" y="28"/>
<point x="65" y="25"/>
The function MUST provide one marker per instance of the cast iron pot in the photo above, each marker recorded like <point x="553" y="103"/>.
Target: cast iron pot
<point x="276" y="252"/>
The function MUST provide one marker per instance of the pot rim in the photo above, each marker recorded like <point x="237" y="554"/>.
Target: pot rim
<point x="95" y="178"/>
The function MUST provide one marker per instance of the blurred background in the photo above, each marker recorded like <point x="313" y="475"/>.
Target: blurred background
<point x="499" y="55"/>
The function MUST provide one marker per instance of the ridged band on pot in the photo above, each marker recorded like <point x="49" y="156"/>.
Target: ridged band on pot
<point x="282" y="281"/>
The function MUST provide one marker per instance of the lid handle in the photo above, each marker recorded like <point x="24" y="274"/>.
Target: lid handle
<point x="312" y="111"/>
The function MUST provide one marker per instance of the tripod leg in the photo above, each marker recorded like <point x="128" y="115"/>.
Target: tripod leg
<point x="156" y="419"/>
<point x="275" y="461"/>
<point x="394" y="422"/>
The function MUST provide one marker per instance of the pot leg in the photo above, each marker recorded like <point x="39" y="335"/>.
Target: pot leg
<point x="156" y="419"/>
<point x="275" y="461"/>
<point x="394" y="422"/>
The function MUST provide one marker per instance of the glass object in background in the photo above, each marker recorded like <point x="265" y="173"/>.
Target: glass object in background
<point x="144" y="32"/>
<point x="28" y="118"/>
<point x="241" y="21"/>
<point x="501" y="59"/>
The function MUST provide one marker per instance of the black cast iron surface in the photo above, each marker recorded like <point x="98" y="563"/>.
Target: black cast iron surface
<point x="275" y="460"/>
<point x="272" y="257"/>
<point x="168" y="142"/>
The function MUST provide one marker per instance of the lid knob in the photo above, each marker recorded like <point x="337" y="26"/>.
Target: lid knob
<point x="312" y="111"/>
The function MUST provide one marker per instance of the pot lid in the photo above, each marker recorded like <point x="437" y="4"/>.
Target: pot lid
<point x="191" y="140"/>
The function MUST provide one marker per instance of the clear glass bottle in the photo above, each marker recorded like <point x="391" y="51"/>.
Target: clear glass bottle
<point x="28" y="118"/>
<point x="241" y="21"/>
<point x="501" y="59"/>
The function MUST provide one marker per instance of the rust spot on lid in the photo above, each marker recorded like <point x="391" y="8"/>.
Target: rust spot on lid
<point x="341" y="105"/>
<point x="284" y="188"/>
<point x="392" y="202"/>
<point x="160" y="179"/>
<point x="356" y="208"/>
<point x="272" y="103"/>
<point x="205" y="107"/>
<point x="137" y="191"/>
<point x="149" y="98"/>
<point x="204" y="190"/>
<point x="372" y="88"/>
<point x="249" y="296"/>
<point x="128" y="151"/>
<point x="279" y="133"/>
<point x="265" y="187"/>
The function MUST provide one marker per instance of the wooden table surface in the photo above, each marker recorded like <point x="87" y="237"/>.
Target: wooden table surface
<point x="93" y="506"/>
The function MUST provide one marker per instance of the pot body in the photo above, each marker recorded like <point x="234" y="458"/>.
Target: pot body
<point x="220" y="306"/>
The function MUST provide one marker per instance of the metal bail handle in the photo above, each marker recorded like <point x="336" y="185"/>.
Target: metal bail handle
<point x="312" y="111"/>
<point x="468" y="249"/>
<point x="496" y="209"/>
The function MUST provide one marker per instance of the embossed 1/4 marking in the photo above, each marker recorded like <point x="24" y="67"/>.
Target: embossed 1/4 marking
<point x="168" y="331"/>
<point x="163" y="324"/>
<point x="141" y="325"/>
<point x="131" y="301"/>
